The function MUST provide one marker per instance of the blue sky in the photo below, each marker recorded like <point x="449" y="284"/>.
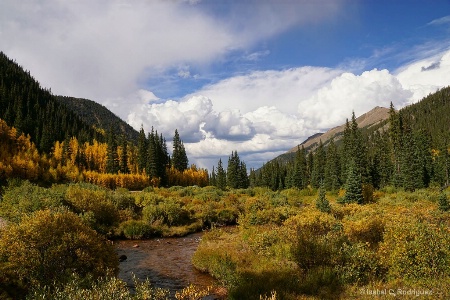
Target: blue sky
<point x="254" y="76"/>
<point x="360" y="31"/>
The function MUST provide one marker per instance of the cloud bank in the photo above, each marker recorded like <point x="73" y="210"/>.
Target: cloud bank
<point x="290" y="105"/>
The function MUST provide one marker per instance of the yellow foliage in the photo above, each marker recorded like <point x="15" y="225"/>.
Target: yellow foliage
<point x="188" y="177"/>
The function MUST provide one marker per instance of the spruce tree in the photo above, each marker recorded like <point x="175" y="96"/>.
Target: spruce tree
<point x="300" y="177"/>
<point x="332" y="168"/>
<point x="322" y="202"/>
<point x="124" y="156"/>
<point x="221" y="181"/>
<point x="233" y="170"/>
<point x="243" y="177"/>
<point x="213" y="178"/>
<point x="318" y="171"/>
<point x="179" y="157"/>
<point x="353" y="193"/>
<point x="410" y="164"/>
<point x="152" y="158"/>
<point x="443" y="202"/>
<point x="142" y="151"/>
<point x="112" y="165"/>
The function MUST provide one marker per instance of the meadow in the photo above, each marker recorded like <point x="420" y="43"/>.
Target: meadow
<point x="259" y="243"/>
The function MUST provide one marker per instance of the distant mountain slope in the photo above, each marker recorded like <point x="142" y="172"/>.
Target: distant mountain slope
<point x="98" y="116"/>
<point x="369" y="121"/>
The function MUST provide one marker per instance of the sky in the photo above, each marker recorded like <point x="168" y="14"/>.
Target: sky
<point x="255" y="76"/>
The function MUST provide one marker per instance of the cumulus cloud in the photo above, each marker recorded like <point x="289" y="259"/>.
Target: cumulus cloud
<point x="348" y="92"/>
<point x="420" y="83"/>
<point x="265" y="88"/>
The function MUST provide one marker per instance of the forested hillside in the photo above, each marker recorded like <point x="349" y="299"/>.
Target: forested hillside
<point x="33" y="110"/>
<point x="98" y="116"/>
<point x="411" y="152"/>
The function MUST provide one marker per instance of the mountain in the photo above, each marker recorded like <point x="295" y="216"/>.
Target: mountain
<point x="98" y="116"/>
<point x="33" y="110"/>
<point x="47" y="118"/>
<point x="368" y="122"/>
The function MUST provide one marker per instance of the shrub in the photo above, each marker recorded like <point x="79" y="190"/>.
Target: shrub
<point x="136" y="230"/>
<point x="26" y="198"/>
<point x="415" y="250"/>
<point x="106" y="288"/>
<point x="316" y="239"/>
<point x="169" y="212"/>
<point x="98" y="202"/>
<point x="47" y="247"/>
<point x="359" y="264"/>
<point x="367" y="229"/>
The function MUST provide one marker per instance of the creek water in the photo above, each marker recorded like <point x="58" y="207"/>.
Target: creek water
<point x="166" y="262"/>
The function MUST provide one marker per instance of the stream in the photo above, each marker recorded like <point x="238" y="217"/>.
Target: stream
<point x="166" y="262"/>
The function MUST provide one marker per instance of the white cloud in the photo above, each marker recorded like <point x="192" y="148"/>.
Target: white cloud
<point x="101" y="49"/>
<point x="267" y="88"/>
<point x="425" y="76"/>
<point x="334" y="102"/>
<point x="440" y="21"/>
<point x="106" y="48"/>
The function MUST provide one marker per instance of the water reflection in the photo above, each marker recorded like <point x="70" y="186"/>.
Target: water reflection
<point x="165" y="261"/>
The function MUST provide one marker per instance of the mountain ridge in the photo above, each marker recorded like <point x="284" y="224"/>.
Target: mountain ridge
<point x="98" y="116"/>
<point x="371" y="118"/>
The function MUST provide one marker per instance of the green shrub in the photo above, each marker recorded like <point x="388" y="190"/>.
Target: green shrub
<point x="217" y="264"/>
<point x="98" y="202"/>
<point x="169" y="212"/>
<point x="26" y="198"/>
<point x="136" y="230"/>
<point x="322" y="282"/>
<point x="47" y="247"/>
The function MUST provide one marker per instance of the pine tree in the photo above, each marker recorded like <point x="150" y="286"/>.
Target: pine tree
<point x="213" y="178"/>
<point x="353" y="192"/>
<point x="142" y="151"/>
<point x="221" y="181"/>
<point x="243" y="177"/>
<point x="112" y="166"/>
<point x="322" y="202"/>
<point x="124" y="156"/>
<point x="300" y="176"/>
<point x="233" y="172"/>
<point x="410" y="164"/>
<point x="443" y="202"/>
<point x="332" y="168"/>
<point x="152" y="155"/>
<point x="318" y="171"/>
<point x="179" y="157"/>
